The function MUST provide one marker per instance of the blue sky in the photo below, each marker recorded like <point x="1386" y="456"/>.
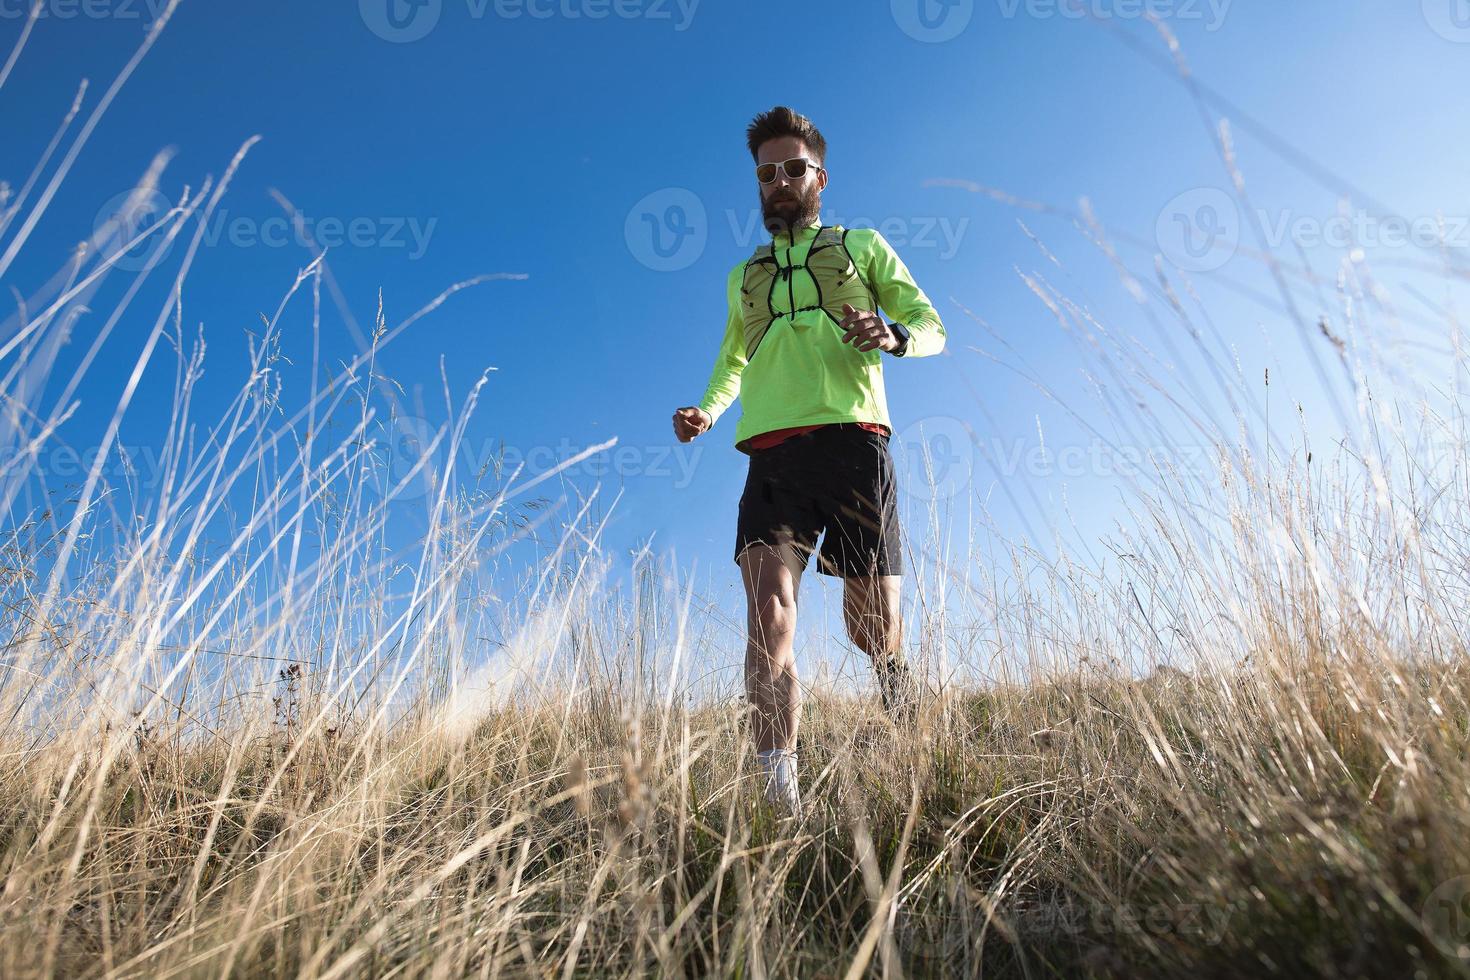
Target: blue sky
<point x="554" y="139"/>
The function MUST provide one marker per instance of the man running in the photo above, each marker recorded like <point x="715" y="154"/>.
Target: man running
<point x="803" y="349"/>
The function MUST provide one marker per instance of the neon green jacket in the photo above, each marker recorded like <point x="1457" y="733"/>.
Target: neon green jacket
<point x="802" y="373"/>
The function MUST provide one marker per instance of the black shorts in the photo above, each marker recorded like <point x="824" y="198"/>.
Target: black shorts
<point x="837" y="481"/>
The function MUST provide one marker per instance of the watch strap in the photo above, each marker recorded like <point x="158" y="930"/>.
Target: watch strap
<point x="902" y="333"/>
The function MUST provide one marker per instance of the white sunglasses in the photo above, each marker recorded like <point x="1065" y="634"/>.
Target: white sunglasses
<point x="796" y="168"/>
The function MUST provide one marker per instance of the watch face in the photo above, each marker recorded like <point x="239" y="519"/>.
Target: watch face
<point x="902" y="333"/>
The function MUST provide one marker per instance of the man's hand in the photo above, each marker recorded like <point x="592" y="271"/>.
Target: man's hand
<point x="865" y="330"/>
<point x="690" y="422"/>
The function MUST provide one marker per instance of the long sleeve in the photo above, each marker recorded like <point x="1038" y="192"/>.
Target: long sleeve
<point x="724" y="380"/>
<point x="899" y="296"/>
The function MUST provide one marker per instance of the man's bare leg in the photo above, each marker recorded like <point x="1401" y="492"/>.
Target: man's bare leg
<point x="772" y="575"/>
<point x="871" y="612"/>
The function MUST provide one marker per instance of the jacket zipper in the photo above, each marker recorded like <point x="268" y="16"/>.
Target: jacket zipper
<point x="790" y="290"/>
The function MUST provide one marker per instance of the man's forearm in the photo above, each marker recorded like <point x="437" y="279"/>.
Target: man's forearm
<point x="926" y="335"/>
<point x="721" y="392"/>
<point x="724" y="380"/>
<point x="902" y="299"/>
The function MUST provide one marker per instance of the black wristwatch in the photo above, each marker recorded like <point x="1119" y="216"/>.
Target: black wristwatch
<point x="902" y="333"/>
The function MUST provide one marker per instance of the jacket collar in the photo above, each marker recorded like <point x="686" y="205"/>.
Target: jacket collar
<point x="803" y="234"/>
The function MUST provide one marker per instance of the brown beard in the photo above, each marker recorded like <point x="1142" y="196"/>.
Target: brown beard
<point x="803" y="213"/>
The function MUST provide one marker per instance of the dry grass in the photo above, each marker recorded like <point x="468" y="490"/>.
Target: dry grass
<point x="1291" y="818"/>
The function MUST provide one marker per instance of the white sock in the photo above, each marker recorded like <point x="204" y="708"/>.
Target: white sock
<point x="779" y="768"/>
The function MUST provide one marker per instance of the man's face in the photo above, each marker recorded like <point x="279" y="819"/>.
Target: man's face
<point x="787" y="203"/>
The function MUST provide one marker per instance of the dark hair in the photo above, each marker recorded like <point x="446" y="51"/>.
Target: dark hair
<point x="783" y="121"/>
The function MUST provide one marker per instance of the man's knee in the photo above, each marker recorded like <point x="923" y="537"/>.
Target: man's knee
<point x="770" y="588"/>
<point x="773" y="613"/>
<point x="770" y="662"/>
<point x="875" y="633"/>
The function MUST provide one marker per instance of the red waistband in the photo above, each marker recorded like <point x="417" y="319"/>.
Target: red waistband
<point x="777" y="436"/>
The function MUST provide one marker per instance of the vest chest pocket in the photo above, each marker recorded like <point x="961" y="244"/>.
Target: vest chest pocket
<point x="839" y="281"/>
<point x="831" y="280"/>
<point x="755" y="301"/>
